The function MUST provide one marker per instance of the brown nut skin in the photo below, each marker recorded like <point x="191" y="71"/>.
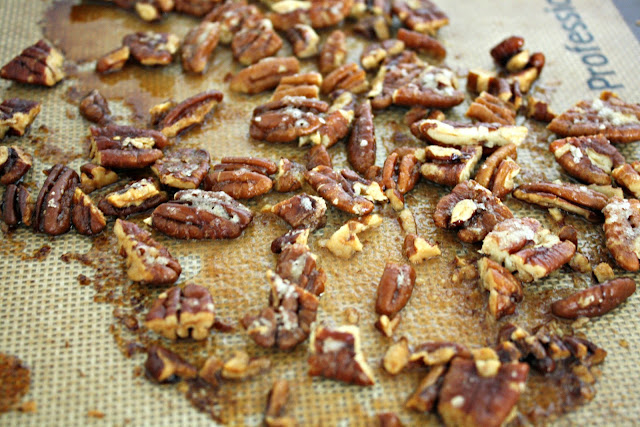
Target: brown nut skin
<point x="39" y="64"/>
<point x="264" y="75"/>
<point x="184" y="168"/>
<point x="233" y="17"/>
<point x="335" y="189"/>
<point x="389" y="419"/>
<point x="503" y="51"/>
<point x="198" y="45"/>
<point x="505" y="291"/>
<point x="425" y="395"/>
<point x="114" y="60"/>
<point x="488" y="108"/>
<point x="318" y="156"/>
<point x="190" y="112"/>
<point x="434" y="87"/>
<point x="17" y="205"/>
<point x="372" y="27"/>
<point x="297" y="264"/>
<point x="488" y="168"/>
<point x="126" y="147"/>
<point x="150" y="48"/>
<point x="349" y="77"/>
<point x="361" y="148"/>
<point x="255" y="42"/>
<point x="296" y="235"/>
<point x="302" y="211"/>
<point x="54" y="203"/>
<point x="422" y="16"/>
<point x="195" y="7"/>
<point x="241" y="178"/>
<point x="14" y="164"/>
<point x="304" y="40"/>
<point x="86" y="217"/>
<point x="287" y="119"/>
<point x="333" y="53"/>
<point x="588" y="158"/>
<point x="94" y="177"/>
<point x="595" y="301"/>
<point x="395" y="288"/>
<point x="16" y="115"/>
<point x="290" y="176"/>
<point x="163" y="366"/>
<point x="621" y="220"/>
<point x="422" y="43"/>
<point x="374" y="54"/>
<point x="276" y="400"/>
<point x="95" y="108"/>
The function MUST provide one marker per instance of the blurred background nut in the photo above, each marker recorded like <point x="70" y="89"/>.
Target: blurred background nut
<point x="114" y="60"/>
<point x="16" y="115"/>
<point x="95" y="108"/>
<point x="151" y="48"/>
<point x="39" y="64"/>
<point x="14" y="164"/>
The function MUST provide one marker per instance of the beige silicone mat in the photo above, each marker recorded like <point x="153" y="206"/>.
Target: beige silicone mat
<point x="66" y="331"/>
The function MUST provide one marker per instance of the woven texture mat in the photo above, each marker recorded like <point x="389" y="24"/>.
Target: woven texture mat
<point x="65" y="332"/>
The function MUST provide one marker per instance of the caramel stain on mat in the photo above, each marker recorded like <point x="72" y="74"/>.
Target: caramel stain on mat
<point x="15" y="379"/>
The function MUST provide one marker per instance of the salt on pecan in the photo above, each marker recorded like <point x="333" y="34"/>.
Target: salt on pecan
<point x="95" y="108"/>
<point x="304" y="84"/>
<point x="574" y="198"/>
<point x="621" y="232"/>
<point x="337" y="123"/>
<point x="198" y="214"/>
<point x="183" y="168"/>
<point x="361" y="148"/>
<point x="255" y="42"/>
<point x="333" y="52"/>
<point x="488" y="108"/>
<point x="336" y="354"/>
<point x="94" y="177"/>
<point x="434" y="87"/>
<point x="126" y="147"/>
<point x="163" y="365"/>
<point x="335" y="189"/>
<point x="135" y="197"/>
<point x="14" y="164"/>
<point x="449" y="166"/>
<point x="198" y="45"/>
<point x="373" y="27"/>
<point x="395" y="288"/>
<point x="505" y="291"/>
<point x="304" y="40"/>
<point x="39" y="64"/>
<point x="190" y="112"/>
<point x="241" y="177"/>
<point x="588" y="158"/>
<point x="263" y="75"/>
<point x="344" y="243"/>
<point x="297" y="265"/>
<point x="233" y="17"/>
<point x="523" y="245"/>
<point x="628" y="177"/>
<point x="349" y="77"/>
<point x="302" y="211"/>
<point x="151" y="48"/>
<point x="54" y="203"/>
<point x="17" y="205"/>
<point x="417" y="249"/>
<point x="373" y="55"/>
<point x="290" y="176"/>
<point x="16" y="115"/>
<point x="86" y="217"/>
<point x="422" y="16"/>
<point x="287" y="119"/>
<point x="487" y="135"/>
<point x="114" y="60"/>
<point x="317" y="13"/>
<point x="393" y="74"/>
<point x="147" y="260"/>
<point x="422" y="43"/>
<point x="596" y="300"/>
<point x="472" y="209"/>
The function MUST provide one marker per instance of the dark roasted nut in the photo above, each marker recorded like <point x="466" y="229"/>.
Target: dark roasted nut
<point x="344" y="243"/>
<point x="349" y="77"/>
<point x="147" y="260"/>
<point x="14" y="164"/>
<point x="506" y="49"/>
<point x="287" y="119"/>
<point x="189" y="112"/>
<point x="401" y="172"/>
<point x="241" y="178"/>
<point x="373" y="55"/>
<point x="361" y="149"/>
<point x="608" y="115"/>
<point x="394" y="74"/>
<point x="94" y="177"/>
<point x="302" y="211"/>
<point x="133" y="198"/>
<point x="622" y="218"/>
<point x="373" y="27"/>
<point x="389" y="419"/>
<point x="149" y="48"/>
<point x="596" y="300"/>
<point x="182" y="313"/>
<point x="418" y="250"/>
<point x="488" y="171"/>
<point x="17" y="205"/>
<point x="449" y="166"/>
<point x="569" y="232"/>
<point x="95" y="108"/>
<point x="40" y="64"/>
<point x="54" y="203"/>
<point x="422" y="43"/>
<point x="255" y="164"/>
<point x="425" y="395"/>
<point x="318" y="13"/>
<point x="472" y="208"/>
<point x="297" y="265"/>
<point x="539" y="109"/>
<point x="573" y="198"/>
<point x="304" y="84"/>
<point x="86" y="217"/>
<point x="337" y="122"/>
<point x="333" y="53"/>
<point x="335" y="189"/>
<point x="276" y="401"/>
<point x="420" y="15"/>
<point x="491" y="109"/>
<point x="318" y="156"/>
<point x="434" y="87"/>
<point x="395" y="288"/>
<point x="256" y="42"/>
<point x="114" y="60"/>
<point x="304" y="40"/>
<point x="183" y="168"/>
<point x="336" y="354"/>
<point x="504" y="289"/>
<point x="233" y="17"/>
<point x="198" y="45"/>
<point x="241" y="366"/>
<point x="488" y="135"/>
<point x="197" y="214"/>
<point x="396" y="358"/>
<point x="588" y="158"/>
<point x="16" y="115"/>
<point x="126" y="147"/>
<point x="195" y="7"/>
<point x="290" y="176"/>
<point x="163" y="365"/>
<point x="523" y="245"/>
<point x="297" y="235"/>
<point x="210" y="371"/>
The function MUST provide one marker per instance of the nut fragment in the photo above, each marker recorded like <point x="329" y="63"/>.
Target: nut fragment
<point x="373" y="27"/>
<point x="336" y="354"/>
<point x="488" y="135"/>
<point x="386" y="325"/>
<point x="395" y="288"/>
<point x="349" y="77"/>
<point x="16" y="115"/>
<point x="86" y="217"/>
<point x="374" y="54"/>
<point x="241" y="177"/>
<point x="488" y="108"/>
<point x="14" y="164"/>
<point x="95" y="108"/>
<point x="255" y="42"/>
<point x="39" y="64"/>
<point x="627" y="176"/>
<point x="505" y="291"/>
<point x="299" y="235"/>
<point x="276" y="401"/>
<point x="434" y="87"/>
<point x="290" y="176"/>
<point x="150" y="48"/>
<point x="596" y="300"/>
<point x="337" y="123"/>
<point x="182" y="313"/>
<point x="183" y="168"/>
<point x="241" y="366"/>
<point x="425" y="395"/>
<point x="147" y="260"/>
<point x="418" y="250"/>
<point x="344" y="243"/>
<point x="114" y="60"/>
<point x="389" y="419"/>
<point x="94" y="177"/>
<point x="422" y="43"/>
<point x="190" y="112"/>
<point x="335" y="189"/>
<point x="396" y="358"/>
<point x="297" y="265"/>
<point x="420" y="15"/>
<point x="304" y="40"/>
<point x="17" y="205"/>
<point x="135" y="197"/>
<point x="287" y="119"/>
<point x="361" y="148"/>
<point x="54" y="203"/>
<point x="126" y="147"/>
<point x="449" y="166"/>
<point x="233" y="17"/>
<point x="539" y="109"/>
<point x="333" y="52"/>
<point x="589" y="158"/>
<point x="198" y="45"/>
<point x="603" y="272"/>
<point x="163" y="365"/>
<point x="622" y="233"/>
<point x="302" y="211"/>
<point x="210" y="371"/>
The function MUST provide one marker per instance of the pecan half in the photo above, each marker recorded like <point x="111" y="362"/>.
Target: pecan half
<point x="335" y="189"/>
<point x="94" y="177"/>
<point x="394" y="73"/>
<point x="401" y="172"/>
<point x="418" y="250"/>
<point x="422" y="43"/>
<point x="621" y="231"/>
<point x="505" y="291"/>
<point x="596" y="300"/>
<point x="336" y="354"/>
<point x="183" y="168"/>
<point x="197" y="214"/>
<point x="344" y="243"/>
<point x="317" y="13"/>
<point x="488" y="135"/>
<point x="337" y="123"/>
<point x="126" y="147"/>
<point x="147" y="260"/>
<point x="182" y="313"/>
<point x="420" y="15"/>
<point x="318" y="156"/>
<point x="287" y="119"/>
<point x="17" y="205"/>
<point x="264" y="75"/>
<point x="588" y="158"/>
<point x="615" y="119"/>
<point x="302" y="211"/>
<point x="276" y="401"/>
<point x="86" y="217"/>
<point x="297" y="265"/>
<point x="40" y="64"/>
<point x="449" y="166"/>
<point x="361" y="148"/>
<point x="198" y="45"/>
<point x="163" y="365"/>
<point x="304" y="40"/>
<point x="573" y="198"/>
<point x="233" y="17"/>
<point x="434" y="87"/>
<point x="16" y="115"/>
<point x="628" y="177"/>
<point x="471" y="208"/>
<point x="189" y="112"/>
<point x="349" y="77"/>
<point x="195" y="7"/>
<point x="114" y="60"/>
<point x="395" y="288"/>
<point x="150" y="48"/>
<point x="499" y="170"/>
<point x="241" y="177"/>
<point x="333" y="52"/>
<point x="290" y="176"/>
<point x="305" y="84"/>
<point x="374" y="54"/>
<point x="54" y="203"/>
<point x="255" y="42"/>
<point x="14" y="164"/>
<point x="373" y="27"/>
<point x="523" y="245"/>
<point x="95" y="108"/>
<point x="488" y="108"/>
<point x="133" y="198"/>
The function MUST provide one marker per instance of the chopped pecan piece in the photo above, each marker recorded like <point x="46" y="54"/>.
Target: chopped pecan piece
<point x="336" y="354"/>
<point x="539" y="109"/>
<point x="17" y="205"/>
<point x="395" y="288"/>
<point x="596" y="300"/>
<point x="449" y="166"/>
<point x="210" y="371"/>
<point x="95" y="108"/>
<point x="189" y="112"/>
<point x="622" y="233"/>
<point x="318" y="156"/>
<point x="94" y="177"/>
<point x="386" y="325"/>
<point x="373" y="27"/>
<point x="133" y="198"/>
<point x="373" y="55"/>
<point x="628" y="177"/>
<point x="616" y="120"/>
<point x="487" y="173"/>
<point x="588" y="158"/>
<point x="349" y="77"/>
<point x="148" y="10"/>
<point x="54" y="203"/>
<point x="290" y="176"/>
<point x="297" y="265"/>
<point x="255" y="42"/>
<point x="337" y="123"/>
<point x="241" y="177"/>
<point x="471" y="208"/>
<point x="182" y="313"/>
<point x="573" y="198"/>
<point x="276" y="401"/>
<point x="296" y="235"/>
<point x="506" y="49"/>
<point x="425" y="395"/>
<point x="361" y="148"/>
<point x="14" y="164"/>
<point x="183" y="168"/>
<point x="195" y="7"/>
<point x="233" y="17"/>
<point x="523" y="245"/>
<point x="147" y="260"/>
<point x="114" y="60"/>
<point x="198" y="214"/>
<point x="418" y="250"/>
<point x="335" y="189"/>
<point x="302" y="211"/>
<point x="394" y="73"/>
<point x="241" y="366"/>
<point x="504" y="289"/>
<point x="420" y="15"/>
<point x="396" y="358"/>
<point x="40" y="64"/>
<point x="287" y="119"/>
<point x="305" y="84"/>
<point x="304" y="40"/>
<point x="317" y="13"/>
<point x="333" y="52"/>
<point x="198" y="45"/>
<point x="488" y="108"/>
<point x="16" y="115"/>
<point x="149" y="48"/>
<point x="126" y="147"/>
<point x="488" y="135"/>
<point x="344" y="243"/>
<point x="434" y="87"/>
<point x="163" y="365"/>
<point x="422" y="43"/>
<point x="479" y="81"/>
<point x="86" y="217"/>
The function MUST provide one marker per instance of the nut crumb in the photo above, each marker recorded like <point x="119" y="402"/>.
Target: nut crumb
<point x="28" y="407"/>
<point x="624" y="343"/>
<point x="95" y="414"/>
